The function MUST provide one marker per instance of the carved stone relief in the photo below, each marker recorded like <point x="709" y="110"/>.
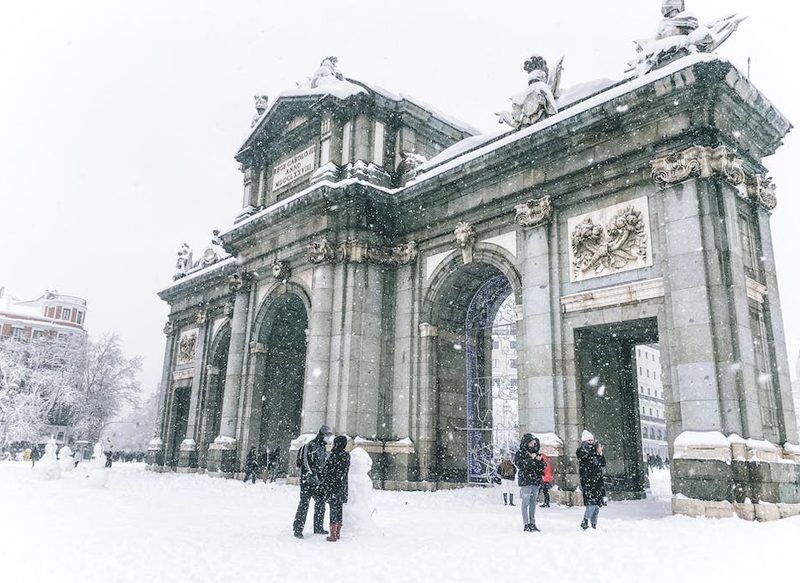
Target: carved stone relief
<point x="610" y="240"/>
<point x="465" y="236"/>
<point x="534" y="212"/>
<point x="357" y="251"/>
<point x="281" y="270"/>
<point x="186" y="347"/>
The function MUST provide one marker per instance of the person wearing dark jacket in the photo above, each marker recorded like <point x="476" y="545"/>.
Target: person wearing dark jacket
<point x="251" y="464"/>
<point x="311" y="460"/>
<point x="530" y="467"/>
<point x="591" y="462"/>
<point x="334" y="484"/>
<point x="272" y="463"/>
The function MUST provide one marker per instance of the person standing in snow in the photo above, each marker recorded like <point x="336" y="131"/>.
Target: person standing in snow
<point x="263" y="460"/>
<point x="272" y="463"/>
<point x="334" y="484"/>
<point x="530" y="468"/>
<point x="591" y="462"/>
<point x="35" y="455"/>
<point x="251" y="464"/>
<point x="507" y="472"/>
<point x="311" y="460"/>
<point x="547" y="481"/>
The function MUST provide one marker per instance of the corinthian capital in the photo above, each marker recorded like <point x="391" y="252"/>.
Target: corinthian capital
<point x="534" y="212"/>
<point x="697" y="162"/>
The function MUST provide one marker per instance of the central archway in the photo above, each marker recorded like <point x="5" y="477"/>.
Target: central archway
<point x="282" y="371"/>
<point x="476" y="410"/>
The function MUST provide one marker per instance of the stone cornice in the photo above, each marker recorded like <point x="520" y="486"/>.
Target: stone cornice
<point x="719" y="162"/>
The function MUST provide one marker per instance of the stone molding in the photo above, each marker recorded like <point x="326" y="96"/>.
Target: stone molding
<point x="427" y="330"/>
<point x="706" y="162"/>
<point x="755" y="291"/>
<point x="613" y="296"/>
<point x="212" y="370"/>
<point x="169" y="328"/>
<point x="186" y="347"/>
<point x="258" y="347"/>
<point x="534" y="212"/>
<point x="180" y="375"/>
<point x="322" y="250"/>
<point x="465" y="237"/>
<point x="281" y="270"/>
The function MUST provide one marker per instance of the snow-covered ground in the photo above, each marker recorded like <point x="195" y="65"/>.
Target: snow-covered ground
<point x="147" y="527"/>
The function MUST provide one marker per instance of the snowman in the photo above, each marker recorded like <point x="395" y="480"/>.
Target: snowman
<point x="65" y="459"/>
<point x="98" y="474"/>
<point x="47" y="468"/>
<point x="359" y="509"/>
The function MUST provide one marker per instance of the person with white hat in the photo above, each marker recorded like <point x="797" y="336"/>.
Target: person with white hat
<point x="591" y="462"/>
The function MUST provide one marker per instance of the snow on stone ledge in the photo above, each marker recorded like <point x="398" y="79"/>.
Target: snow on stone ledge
<point x="549" y="439"/>
<point x="705" y="445"/>
<point x="791" y="448"/>
<point x="155" y="443"/>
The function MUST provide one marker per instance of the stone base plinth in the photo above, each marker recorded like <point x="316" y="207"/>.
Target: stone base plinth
<point x="155" y="455"/>
<point x="187" y="457"/>
<point x="762" y="511"/>
<point x="221" y="457"/>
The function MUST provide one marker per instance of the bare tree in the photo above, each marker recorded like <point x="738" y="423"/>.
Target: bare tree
<point x="109" y="381"/>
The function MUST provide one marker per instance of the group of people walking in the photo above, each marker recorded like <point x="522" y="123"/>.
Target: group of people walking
<point x="533" y="472"/>
<point x="265" y="464"/>
<point x="323" y="478"/>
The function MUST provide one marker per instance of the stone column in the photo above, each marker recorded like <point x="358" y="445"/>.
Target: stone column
<point x="536" y="371"/>
<point x="783" y="384"/>
<point x="318" y="359"/>
<point x="155" y="448"/>
<point x="425" y="405"/>
<point x="222" y="454"/>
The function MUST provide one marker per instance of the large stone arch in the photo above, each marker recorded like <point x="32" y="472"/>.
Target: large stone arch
<point x="213" y="390"/>
<point x="449" y="349"/>
<point x="278" y="360"/>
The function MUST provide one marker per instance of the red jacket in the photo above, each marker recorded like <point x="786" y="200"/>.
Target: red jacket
<point x="547" y="476"/>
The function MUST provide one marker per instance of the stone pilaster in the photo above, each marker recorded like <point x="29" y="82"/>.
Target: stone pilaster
<point x="222" y="453"/>
<point x="187" y="458"/>
<point x="537" y="372"/>
<point x="155" y="452"/>
<point x="425" y="404"/>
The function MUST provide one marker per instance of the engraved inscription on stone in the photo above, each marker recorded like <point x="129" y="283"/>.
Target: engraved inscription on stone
<point x="294" y="168"/>
<point x="610" y="240"/>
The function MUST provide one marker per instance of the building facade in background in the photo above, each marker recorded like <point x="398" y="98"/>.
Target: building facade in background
<point x="651" y="400"/>
<point x="51" y="315"/>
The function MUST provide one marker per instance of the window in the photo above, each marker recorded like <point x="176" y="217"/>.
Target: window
<point x="495" y="363"/>
<point x="640" y="371"/>
<point x="80" y="317"/>
<point x="648" y="390"/>
<point x="346" y="130"/>
<point x="16" y="333"/>
<point x="50" y="312"/>
<point x="513" y="344"/>
<point x="651" y="411"/>
<point x="377" y="144"/>
<point x="37" y="334"/>
<point x="66" y="313"/>
<point x="325" y="128"/>
<point x="63" y="337"/>
<point x="644" y="432"/>
<point x="512" y="362"/>
<point x="495" y="344"/>
<point x="648" y="373"/>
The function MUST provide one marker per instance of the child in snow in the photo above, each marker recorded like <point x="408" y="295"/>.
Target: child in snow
<point x="251" y="464"/>
<point x="591" y="462"/>
<point x="547" y="481"/>
<point x="334" y="484"/>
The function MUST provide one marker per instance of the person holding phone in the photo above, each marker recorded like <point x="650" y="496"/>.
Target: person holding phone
<point x="591" y="462"/>
<point x="530" y="467"/>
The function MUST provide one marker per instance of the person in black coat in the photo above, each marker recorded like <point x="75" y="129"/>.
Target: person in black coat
<point x="591" y="462"/>
<point x="311" y="460"/>
<point x="530" y="467"/>
<point x="334" y="484"/>
<point x="251" y="464"/>
<point x="272" y="462"/>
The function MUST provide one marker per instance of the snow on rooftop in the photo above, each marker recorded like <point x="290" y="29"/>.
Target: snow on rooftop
<point x="564" y="114"/>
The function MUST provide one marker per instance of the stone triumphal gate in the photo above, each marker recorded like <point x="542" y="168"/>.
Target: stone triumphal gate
<point x="379" y="239"/>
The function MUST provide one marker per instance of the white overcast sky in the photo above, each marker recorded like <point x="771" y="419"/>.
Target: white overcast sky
<point x="119" y="120"/>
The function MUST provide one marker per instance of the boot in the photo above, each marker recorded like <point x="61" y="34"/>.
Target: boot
<point x="511" y="499"/>
<point x="333" y="536"/>
<point x="505" y="499"/>
<point x="534" y="528"/>
<point x="527" y="528"/>
<point x="594" y="525"/>
<point x="320" y="531"/>
<point x="584" y="524"/>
